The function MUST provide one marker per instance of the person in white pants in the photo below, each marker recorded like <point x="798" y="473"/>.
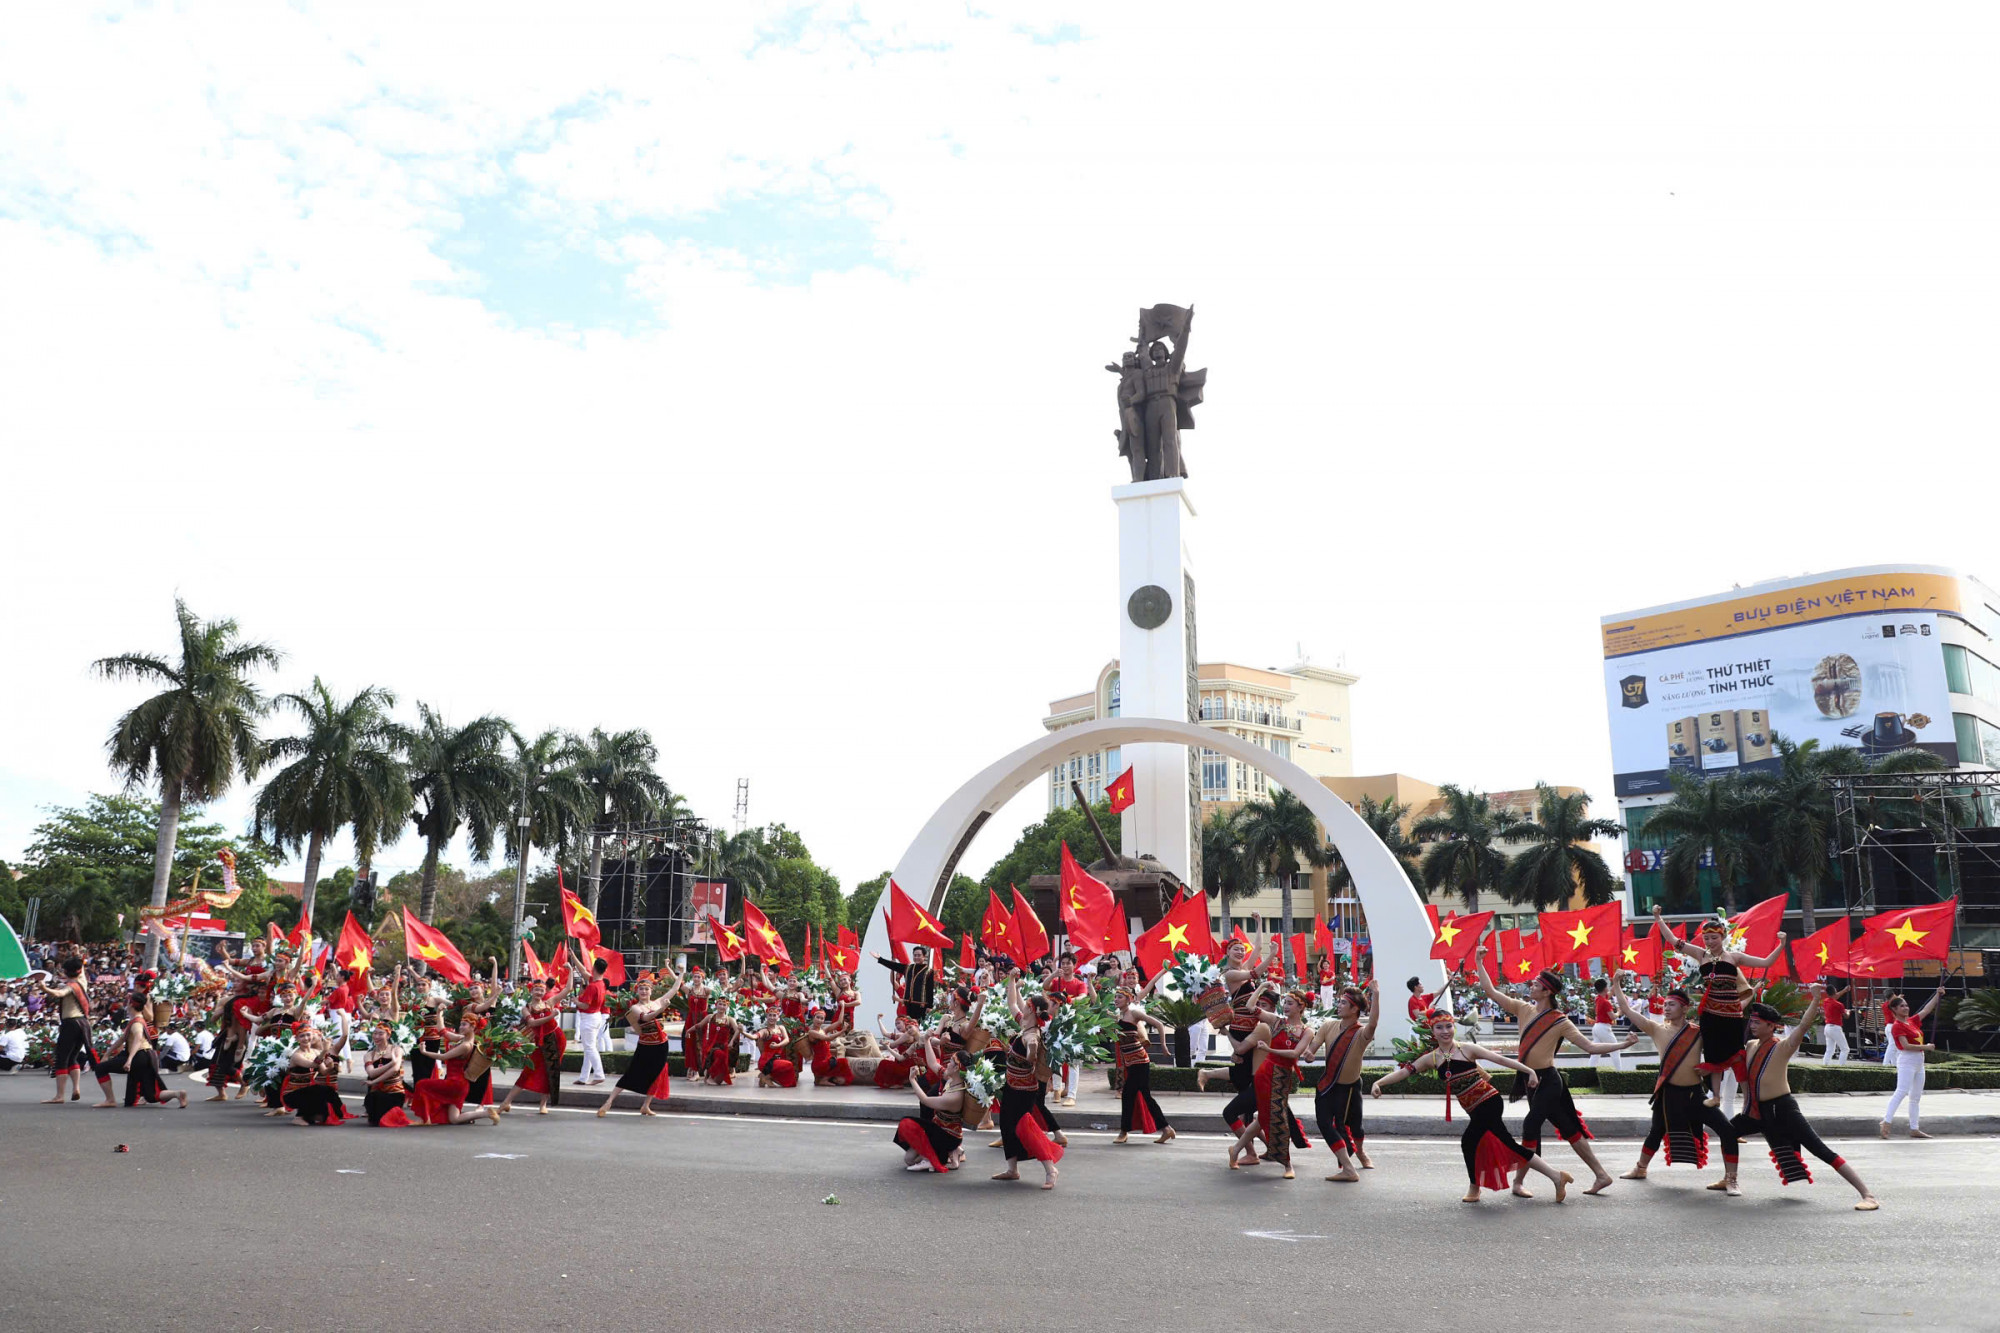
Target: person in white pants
<point x="1906" y="1038"/>
<point x="592" y="1016"/>
<point x="1601" y="1029"/>
<point x="1833" y="1034"/>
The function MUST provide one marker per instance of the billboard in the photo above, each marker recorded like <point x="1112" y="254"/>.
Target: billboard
<point x="706" y="899"/>
<point x="1705" y="689"/>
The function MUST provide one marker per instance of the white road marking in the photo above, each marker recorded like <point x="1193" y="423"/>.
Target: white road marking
<point x="347" y="1171"/>
<point x="1289" y="1237"/>
<point x="503" y="1156"/>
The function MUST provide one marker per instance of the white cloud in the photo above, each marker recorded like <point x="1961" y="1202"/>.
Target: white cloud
<point x="1510" y="325"/>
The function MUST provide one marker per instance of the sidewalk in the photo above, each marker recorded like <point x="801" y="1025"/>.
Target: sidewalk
<point x="1834" y="1115"/>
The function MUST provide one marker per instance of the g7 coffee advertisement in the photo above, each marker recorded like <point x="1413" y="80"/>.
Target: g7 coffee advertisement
<point x="1874" y="682"/>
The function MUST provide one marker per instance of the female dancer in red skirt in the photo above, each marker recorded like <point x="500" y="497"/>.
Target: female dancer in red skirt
<point x="647" y="1073"/>
<point x="827" y="1068"/>
<point x="311" y="1084"/>
<point x="440" y="1099"/>
<point x="773" y="1069"/>
<point x="934" y="1140"/>
<point x="142" y="1066"/>
<point x="1274" y="1076"/>
<point x="1022" y="1134"/>
<point x="543" y="1020"/>
<point x="899" y="1057"/>
<point x="1137" y="1108"/>
<point x="1491" y="1153"/>
<point x="695" y="1025"/>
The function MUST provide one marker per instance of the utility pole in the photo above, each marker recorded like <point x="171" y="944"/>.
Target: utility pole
<point x="522" y="822"/>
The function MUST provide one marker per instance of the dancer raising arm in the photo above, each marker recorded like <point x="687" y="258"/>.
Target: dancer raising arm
<point x="1274" y="1051"/>
<point x="1906" y="1038"/>
<point x="647" y="1074"/>
<point x="1724" y="992"/>
<point x="1680" y="1117"/>
<point x="1137" y="1107"/>
<point x="1337" y="1099"/>
<point x="1770" y="1109"/>
<point x="1490" y="1151"/>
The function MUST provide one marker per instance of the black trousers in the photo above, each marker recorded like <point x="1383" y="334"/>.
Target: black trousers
<point x="1243" y="1106"/>
<point x="1015" y="1103"/>
<point x="1137" y="1089"/>
<point x="1785" y="1129"/>
<point x="142" y="1079"/>
<point x="1337" y="1108"/>
<point x="1709" y="1117"/>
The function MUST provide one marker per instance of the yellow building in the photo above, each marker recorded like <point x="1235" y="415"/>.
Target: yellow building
<point x="1300" y="714"/>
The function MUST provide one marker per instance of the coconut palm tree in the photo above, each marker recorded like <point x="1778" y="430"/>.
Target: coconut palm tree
<point x="1546" y="873"/>
<point x="196" y="735"/>
<point x="551" y="806"/>
<point x="1225" y="871"/>
<point x="1386" y="820"/>
<point x="1279" y="834"/>
<point x="617" y="768"/>
<point x="743" y="860"/>
<point x="346" y="770"/>
<point x="1706" y="818"/>
<point x="459" y="778"/>
<point x="1459" y="856"/>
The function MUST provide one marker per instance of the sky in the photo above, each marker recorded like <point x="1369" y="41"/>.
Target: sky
<point x="734" y="371"/>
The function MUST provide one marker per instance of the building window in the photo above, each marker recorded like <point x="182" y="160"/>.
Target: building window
<point x="1096" y="768"/>
<point x="1966" y="672"/>
<point x="1281" y="747"/>
<point x="1114" y="694"/>
<point x="1214" y="776"/>
<point x="1112" y="761"/>
<point x="1978" y="740"/>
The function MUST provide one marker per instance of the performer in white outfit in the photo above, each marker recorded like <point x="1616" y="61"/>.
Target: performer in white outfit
<point x="1906" y="1039"/>
<point x="592" y="1015"/>
<point x="1835" y="1014"/>
<point x="1601" y="1029"/>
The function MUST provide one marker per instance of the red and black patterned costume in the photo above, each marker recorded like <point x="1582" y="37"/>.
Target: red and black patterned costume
<point x="648" y="1074"/>
<point x="1137" y="1107"/>
<point x="1491" y="1154"/>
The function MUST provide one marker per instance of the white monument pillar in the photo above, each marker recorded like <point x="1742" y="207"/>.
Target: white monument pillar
<point x="1156" y="664"/>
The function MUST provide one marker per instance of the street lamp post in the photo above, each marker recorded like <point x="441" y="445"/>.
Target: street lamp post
<point x="522" y="822"/>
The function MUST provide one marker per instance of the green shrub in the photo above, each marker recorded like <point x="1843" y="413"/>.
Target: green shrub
<point x="1843" y="1078"/>
<point x="1627" y="1082"/>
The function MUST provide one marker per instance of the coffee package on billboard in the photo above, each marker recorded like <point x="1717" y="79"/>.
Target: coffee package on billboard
<point x="1753" y="735"/>
<point x="1718" y="741"/>
<point x="1684" y="746"/>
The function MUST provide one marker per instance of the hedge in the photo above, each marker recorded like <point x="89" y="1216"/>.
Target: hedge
<point x="616" y="1061"/>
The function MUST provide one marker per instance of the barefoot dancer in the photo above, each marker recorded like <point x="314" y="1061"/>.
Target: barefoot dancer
<point x="142" y="1069"/>
<point x="1490" y="1151"/>
<point x="1243" y="1019"/>
<point x="1770" y="1109"/>
<point x="828" y="1069"/>
<point x="934" y="1140"/>
<point x="1137" y="1107"/>
<point x="773" y="1069"/>
<point x="386" y="1095"/>
<point x="1544" y="1028"/>
<point x="73" y="1046"/>
<point x="1337" y="1099"/>
<point x="1021" y="1127"/>
<point x="542" y="1020"/>
<point x="440" y="1099"/>
<point x="647" y="1073"/>
<point x="1274" y="1050"/>
<point x="1679" y="1115"/>
<point x="1723" y="993"/>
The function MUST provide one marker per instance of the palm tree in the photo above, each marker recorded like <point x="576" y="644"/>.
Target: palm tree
<point x="1790" y="809"/>
<point x="1558" y="862"/>
<point x="551" y="804"/>
<point x="1278" y="834"/>
<point x="1225" y="871"/>
<point x="347" y="769"/>
<point x="1459" y="856"/>
<point x="743" y="860"/>
<point x="1705" y="818"/>
<point x="458" y="778"/>
<point x="1386" y="821"/>
<point x="196" y="735"/>
<point x="617" y="768"/>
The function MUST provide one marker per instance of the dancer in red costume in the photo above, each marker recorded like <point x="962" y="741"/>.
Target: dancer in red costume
<point x="1274" y="1074"/>
<point x="647" y="1074"/>
<point x="773" y="1040"/>
<point x="542" y="1019"/>
<point x="828" y="1069"/>
<point x="1021" y="1100"/>
<point x="1491" y="1154"/>
<point x="73" y="1049"/>
<point x="695" y="1025"/>
<point x="934" y="1139"/>
<point x="1137" y="1107"/>
<point x="440" y="1099"/>
<point x="387" y="1093"/>
<point x="899" y="1055"/>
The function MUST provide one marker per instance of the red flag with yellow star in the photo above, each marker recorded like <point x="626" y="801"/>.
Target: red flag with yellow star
<point x="1822" y="952"/>
<point x="1641" y="954"/>
<point x="1086" y="904"/>
<point x="1120" y="791"/>
<point x="997" y="932"/>
<point x="1908" y="933"/>
<point x="579" y="922"/>
<point x="765" y="941"/>
<point x="729" y="943"/>
<point x="1458" y="936"/>
<point x="1184" y="929"/>
<point x="426" y="944"/>
<point x="1590" y="932"/>
<point x="1520" y="955"/>
<point x="846" y="954"/>
<point x="911" y="924"/>
<point x="1028" y="928"/>
<point x="354" y="950"/>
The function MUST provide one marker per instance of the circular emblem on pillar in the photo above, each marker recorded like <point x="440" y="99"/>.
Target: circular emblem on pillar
<point x="1150" y="606"/>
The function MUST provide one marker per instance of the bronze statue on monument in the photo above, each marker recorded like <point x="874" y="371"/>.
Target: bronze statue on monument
<point x="1156" y="394"/>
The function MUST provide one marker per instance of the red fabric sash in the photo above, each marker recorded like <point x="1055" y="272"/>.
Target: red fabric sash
<point x="1753" y="1100"/>
<point x="1336" y="1056"/>
<point x="1677" y="1049"/>
<point x="1538" y="1027"/>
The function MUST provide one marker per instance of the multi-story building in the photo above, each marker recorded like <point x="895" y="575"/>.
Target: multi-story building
<point x="1300" y="714"/>
<point x="1880" y="658"/>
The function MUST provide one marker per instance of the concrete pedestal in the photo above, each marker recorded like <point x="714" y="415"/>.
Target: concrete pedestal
<point x="1156" y="665"/>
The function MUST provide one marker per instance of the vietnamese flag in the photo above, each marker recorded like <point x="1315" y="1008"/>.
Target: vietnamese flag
<point x="302" y="931"/>
<point x="996" y="928"/>
<point x="911" y="924"/>
<point x="967" y="960"/>
<point x="1028" y="927"/>
<point x="1907" y="933"/>
<point x="428" y="944"/>
<point x="1640" y="954"/>
<point x="1458" y="936"/>
<point x="1299" y="953"/>
<point x="845" y="955"/>
<point x="355" y="951"/>
<point x="1322" y="938"/>
<point x="765" y="941"/>
<point x="536" y="972"/>
<point x="729" y="944"/>
<point x="1822" y="952"/>
<point x="579" y="922"/>
<point x="1086" y="906"/>
<point x="1120" y="792"/>
<point x="1489" y="957"/>
<point x="1184" y="929"/>
<point x="1521" y="955"/>
<point x="1591" y="932"/>
<point x="1118" y="936"/>
<point x="1754" y="930"/>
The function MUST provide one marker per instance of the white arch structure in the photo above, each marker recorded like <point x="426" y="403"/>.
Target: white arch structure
<point x="1399" y="930"/>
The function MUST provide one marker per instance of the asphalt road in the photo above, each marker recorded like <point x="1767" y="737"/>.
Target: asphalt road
<point x="218" y="1218"/>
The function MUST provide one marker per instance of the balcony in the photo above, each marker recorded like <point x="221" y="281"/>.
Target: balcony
<point x="1256" y="717"/>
